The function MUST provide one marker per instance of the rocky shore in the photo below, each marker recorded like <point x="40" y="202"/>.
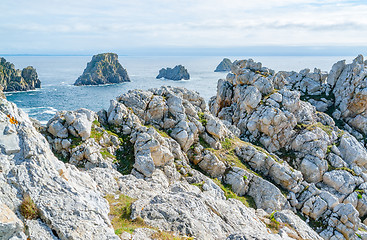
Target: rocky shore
<point x="277" y="155"/>
<point x="179" y="72"/>
<point x="104" y="68"/>
<point x="12" y="79"/>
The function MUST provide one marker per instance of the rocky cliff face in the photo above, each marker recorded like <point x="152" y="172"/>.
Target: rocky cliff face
<point x="261" y="164"/>
<point x="179" y="72"/>
<point x="224" y="66"/>
<point x="12" y="79"/>
<point x="103" y="69"/>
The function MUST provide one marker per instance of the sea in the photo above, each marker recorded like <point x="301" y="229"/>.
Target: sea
<point x="58" y="73"/>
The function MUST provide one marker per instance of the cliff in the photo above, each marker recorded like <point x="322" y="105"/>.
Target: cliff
<point x="261" y="163"/>
<point x="103" y="69"/>
<point x="12" y="79"/>
<point x="179" y="72"/>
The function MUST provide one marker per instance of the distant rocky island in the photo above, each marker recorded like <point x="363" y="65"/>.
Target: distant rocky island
<point x="224" y="66"/>
<point x="179" y="72"/>
<point x="103" y="69"/>
<point x="12" y="79"/>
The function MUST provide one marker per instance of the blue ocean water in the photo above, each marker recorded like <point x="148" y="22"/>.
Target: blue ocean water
<point x="58" y="73"/>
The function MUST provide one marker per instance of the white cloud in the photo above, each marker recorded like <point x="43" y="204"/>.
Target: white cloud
<point x="218" y="23"/>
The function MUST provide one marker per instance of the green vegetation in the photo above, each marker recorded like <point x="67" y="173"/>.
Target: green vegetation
<point x="125" y="157"/>
<point x="248" y="201"/>
<point x="162" y="133"/>
<point x="227" y="144"/>
<point x="311" y="127"/>
<point x="274" y="225"/>
<point x="105" y="154"/>
<point x="351" y="171"/>
<point x="199" y="185"/>
<point x="202" y="119"/>
<point x="61" y="157"/>
<point x="120" y="212"/>
<point x="359" y="196"/>
<point x="75" y="141"/>
<point x="28" y="208"/>
<point x="203" y="143"/>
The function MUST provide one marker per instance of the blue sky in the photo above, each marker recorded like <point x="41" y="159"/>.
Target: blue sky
<point x="64" y="26"/>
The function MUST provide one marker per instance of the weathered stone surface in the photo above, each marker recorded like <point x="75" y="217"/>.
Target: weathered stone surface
<point x="12" y="79"/>
<point x="64" y="196"/>
<point x="104" y="68"/>
<point x="179" y="72"/>
<point x="10" y="224"/>
<point x="39" y="230"/>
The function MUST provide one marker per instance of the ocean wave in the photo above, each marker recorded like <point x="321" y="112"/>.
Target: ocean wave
<point x="38" y="110"/>
<point x="49" y="112"/>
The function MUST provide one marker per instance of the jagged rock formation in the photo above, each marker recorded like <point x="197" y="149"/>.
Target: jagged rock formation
<point x="103" y="69"/>
<point x="224" y="66"/>
<point x="268" y="112"/>
<point x="12" y="79"/>
<point x="179" y="72"/>
<point x="63" y="196"/>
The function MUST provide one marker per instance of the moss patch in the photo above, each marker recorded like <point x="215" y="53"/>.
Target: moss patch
<point x="202" y="119"/>
<point x="162" y="133"/>
<point x="120" y="212"/>
<point x="248" y="201"/>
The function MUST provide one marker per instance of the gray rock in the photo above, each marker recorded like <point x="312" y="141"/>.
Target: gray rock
<point x="39" y="230"/>
<point x="10" y="224"/>
<point x="179" y="72"/>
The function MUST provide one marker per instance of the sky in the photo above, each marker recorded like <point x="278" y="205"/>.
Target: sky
<point x="88" y="26"/>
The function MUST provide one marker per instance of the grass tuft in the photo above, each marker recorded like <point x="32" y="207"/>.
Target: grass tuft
<point x="28" y="208"/>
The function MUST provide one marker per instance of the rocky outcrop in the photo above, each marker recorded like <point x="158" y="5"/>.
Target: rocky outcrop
<point x="179" y="72"/>
<point x="12" y="79"/>
<point x="103" y="69"/>
<point x="224" y="66"/>
<point x="278" y="111"/>
<point x="63" y="196"/>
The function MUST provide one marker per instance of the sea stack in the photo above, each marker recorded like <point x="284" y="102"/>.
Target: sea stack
<point x="179" y="72"/>
<point x="224" y="66"/>
<point x="12" y="79"/>
<point x="103" y="69"/>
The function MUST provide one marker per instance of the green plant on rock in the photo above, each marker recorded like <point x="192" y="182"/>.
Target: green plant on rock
<point x="226" y="144"/>
<point x="202" y="119"/>
<point x="125" y="157"/>
<point x="120" y="212"/>
<point x="28" y="208"/>
<point x="248" y="201"/>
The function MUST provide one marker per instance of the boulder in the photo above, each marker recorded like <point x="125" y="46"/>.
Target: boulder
<point x="179" y="72"/>
<point x="104" y="68"/>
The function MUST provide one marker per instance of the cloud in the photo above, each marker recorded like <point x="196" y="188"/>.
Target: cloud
<point x="217" y="23"/>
